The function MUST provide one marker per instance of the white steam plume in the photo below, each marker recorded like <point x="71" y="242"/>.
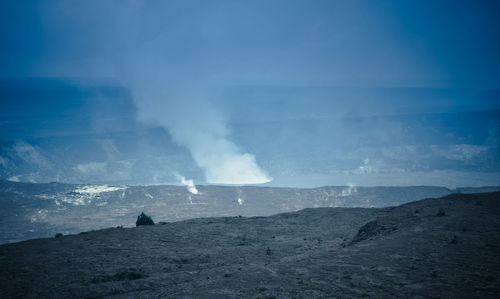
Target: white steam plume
<point x="194" y="123"/>
<point x="162" y="51"/>
<point x="191" y="187"/>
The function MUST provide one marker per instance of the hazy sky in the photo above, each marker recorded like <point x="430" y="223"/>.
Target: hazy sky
<point x="371" y="88"/>
<point x="342" y="43"/>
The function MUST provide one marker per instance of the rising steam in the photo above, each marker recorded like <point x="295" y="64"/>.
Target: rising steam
<point x="191" y="187"/>
<point x="195" y="124"/>
<point x="164" y="61"/>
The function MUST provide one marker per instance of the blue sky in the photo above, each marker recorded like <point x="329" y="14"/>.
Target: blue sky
<point x="342" y="91"/>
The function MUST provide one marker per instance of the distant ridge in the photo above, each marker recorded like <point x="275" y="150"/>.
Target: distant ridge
<point x="42" y="210"/>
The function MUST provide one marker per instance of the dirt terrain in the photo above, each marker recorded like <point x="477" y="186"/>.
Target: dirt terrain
<point x="34" y="210"/>
<point x="447" y="247"/>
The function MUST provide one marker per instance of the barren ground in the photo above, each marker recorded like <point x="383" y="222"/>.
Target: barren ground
<point x="447" y="247"/>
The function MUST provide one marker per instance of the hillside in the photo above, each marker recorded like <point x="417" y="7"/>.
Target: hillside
<point x="446" y="247"/>
<point x="43" y="210"/>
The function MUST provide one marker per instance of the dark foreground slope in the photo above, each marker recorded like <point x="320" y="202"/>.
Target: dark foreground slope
<point x="446" y="247"/>
<point x="42" y="210"/>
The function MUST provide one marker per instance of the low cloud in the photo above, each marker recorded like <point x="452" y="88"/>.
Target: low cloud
<point x="30" y="154"/>
<point x="92" y="168"/>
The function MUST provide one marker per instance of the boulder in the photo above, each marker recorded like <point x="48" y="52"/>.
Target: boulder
<point x="144" y="219"/>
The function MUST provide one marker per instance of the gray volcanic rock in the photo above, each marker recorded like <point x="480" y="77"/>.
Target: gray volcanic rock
<point x="42" y="210"/>
<point x="144" y="219"/>
<point x="405" y="251"/>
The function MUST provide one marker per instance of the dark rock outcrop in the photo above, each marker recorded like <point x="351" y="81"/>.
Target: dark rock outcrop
<point x="372" y="229"/>
<point x="144" y="219"/>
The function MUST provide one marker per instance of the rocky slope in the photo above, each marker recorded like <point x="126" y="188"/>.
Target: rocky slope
<point x="446" y="247"/>
<point x="42" y="210"/>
